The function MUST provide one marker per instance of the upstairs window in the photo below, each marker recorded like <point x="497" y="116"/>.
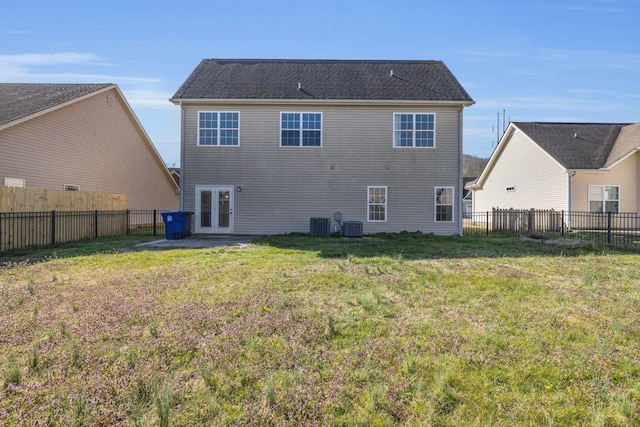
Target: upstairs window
<point x="444" y="204"/>
<point x="218" y="128"/>
<point x="301" y="129"/>
<point x="414" y="130"/>
<point x="604" y="198"/>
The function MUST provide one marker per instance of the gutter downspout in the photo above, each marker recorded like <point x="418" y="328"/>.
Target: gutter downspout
<point x="181" y="156"/>
<point x="460" y="180"/>
<point x="570" y="174"/>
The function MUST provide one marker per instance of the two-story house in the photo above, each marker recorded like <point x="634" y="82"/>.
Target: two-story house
<point x="268" y="144"/>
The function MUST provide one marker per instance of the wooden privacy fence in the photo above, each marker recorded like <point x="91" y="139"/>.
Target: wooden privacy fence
<point x="610" y="228"/>
<point x="16" y="199"/>
<point x="527" y="221"/>
<point x="533" y="221"/>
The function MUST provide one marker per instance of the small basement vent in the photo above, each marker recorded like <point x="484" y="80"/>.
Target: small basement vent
<point x="320" y="227"/>
<point x="14" y="182"/>
<point x="352" y="228"/>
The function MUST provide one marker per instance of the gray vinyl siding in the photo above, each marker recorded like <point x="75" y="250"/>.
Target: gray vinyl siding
<point x="92" y="144"/>
<point x="283" y="187"/>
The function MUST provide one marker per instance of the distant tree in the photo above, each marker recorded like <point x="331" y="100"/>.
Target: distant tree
<point x="472" y="166"/>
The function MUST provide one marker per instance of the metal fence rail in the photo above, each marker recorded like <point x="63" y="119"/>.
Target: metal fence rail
<point x="613" y="229"/>
<point x="24" y="229"/>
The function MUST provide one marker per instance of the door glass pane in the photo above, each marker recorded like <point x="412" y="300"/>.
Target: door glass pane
<point x="223" y="208"/>
<point x="205" y="208"/>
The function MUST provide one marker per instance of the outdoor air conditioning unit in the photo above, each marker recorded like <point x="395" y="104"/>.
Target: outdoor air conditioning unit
<point x="352" y="228"/>
<point x="320" y="227"/>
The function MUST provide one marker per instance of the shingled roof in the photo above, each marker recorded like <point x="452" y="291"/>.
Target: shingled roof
<point x="224" y="79"/>
<point x="575" y="145"/>
<point x="20" y="100"/>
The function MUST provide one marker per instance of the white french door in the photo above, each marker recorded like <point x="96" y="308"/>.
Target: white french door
<point x="214" y="209"/>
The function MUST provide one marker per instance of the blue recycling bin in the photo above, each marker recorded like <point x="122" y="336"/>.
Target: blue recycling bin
<point x="177" y="224"/>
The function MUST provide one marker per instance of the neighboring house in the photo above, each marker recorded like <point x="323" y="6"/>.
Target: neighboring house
<point x="80" y="137"/>
<point x="175" y="174"/>
<point x="269" y="144"/>
<point x="589" y="167"/>
<point x="467" y="196"/>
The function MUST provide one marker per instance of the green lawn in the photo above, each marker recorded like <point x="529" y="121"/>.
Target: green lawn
<point x="401" y="329"/>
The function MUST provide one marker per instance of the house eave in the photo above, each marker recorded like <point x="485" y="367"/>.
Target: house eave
<point x="244" y="101"/>
<point x="576" y="171"/>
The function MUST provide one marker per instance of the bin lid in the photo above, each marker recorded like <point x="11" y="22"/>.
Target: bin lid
<point x="177" y="213"/>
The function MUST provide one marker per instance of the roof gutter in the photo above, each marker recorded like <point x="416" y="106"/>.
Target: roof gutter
<point x="599" y="170"/>
<point x="181" y="101"/>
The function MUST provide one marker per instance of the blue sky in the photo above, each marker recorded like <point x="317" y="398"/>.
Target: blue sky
<point x="543" y="60"/>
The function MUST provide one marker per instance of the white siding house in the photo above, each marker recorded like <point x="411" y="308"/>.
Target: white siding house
<point x="585" y="167"/>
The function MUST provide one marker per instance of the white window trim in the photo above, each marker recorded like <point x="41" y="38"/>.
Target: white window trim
<point x="301" y="129"/>
<point x="386" y="203"/>
<point x="71" y="187"/>
<point x="435" y="203"/>
<point x="413" y="138"/>
<point x="604" y="204"/>
<point x="217" y="129"/>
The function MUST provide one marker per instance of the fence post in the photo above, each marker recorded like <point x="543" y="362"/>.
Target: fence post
<point x="562" y="223"/>
<point x="128" y="222"/>
<point x="155" y="216"/>
<point x="95" y="227"/>
<point x="487" y="224"/>
<point x="609" y="227"/>
<point x="53" y="227"/>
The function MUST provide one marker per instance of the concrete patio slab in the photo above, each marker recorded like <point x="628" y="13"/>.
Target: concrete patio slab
<point x="200" y="241"/>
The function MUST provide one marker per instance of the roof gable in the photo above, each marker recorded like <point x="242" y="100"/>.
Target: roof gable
<point x="322" y="80"/>
<point x="20" y="100"/>
<point x="574" y="145"/>
<point x="628" y="142"/>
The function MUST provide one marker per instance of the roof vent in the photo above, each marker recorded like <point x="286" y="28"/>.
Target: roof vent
<point x="299" y="86"/>
<point x="391" y="73"/>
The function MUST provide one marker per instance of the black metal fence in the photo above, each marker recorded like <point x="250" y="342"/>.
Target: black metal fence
<point x="613" y="229"/>
<point x="24" y="229"/>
